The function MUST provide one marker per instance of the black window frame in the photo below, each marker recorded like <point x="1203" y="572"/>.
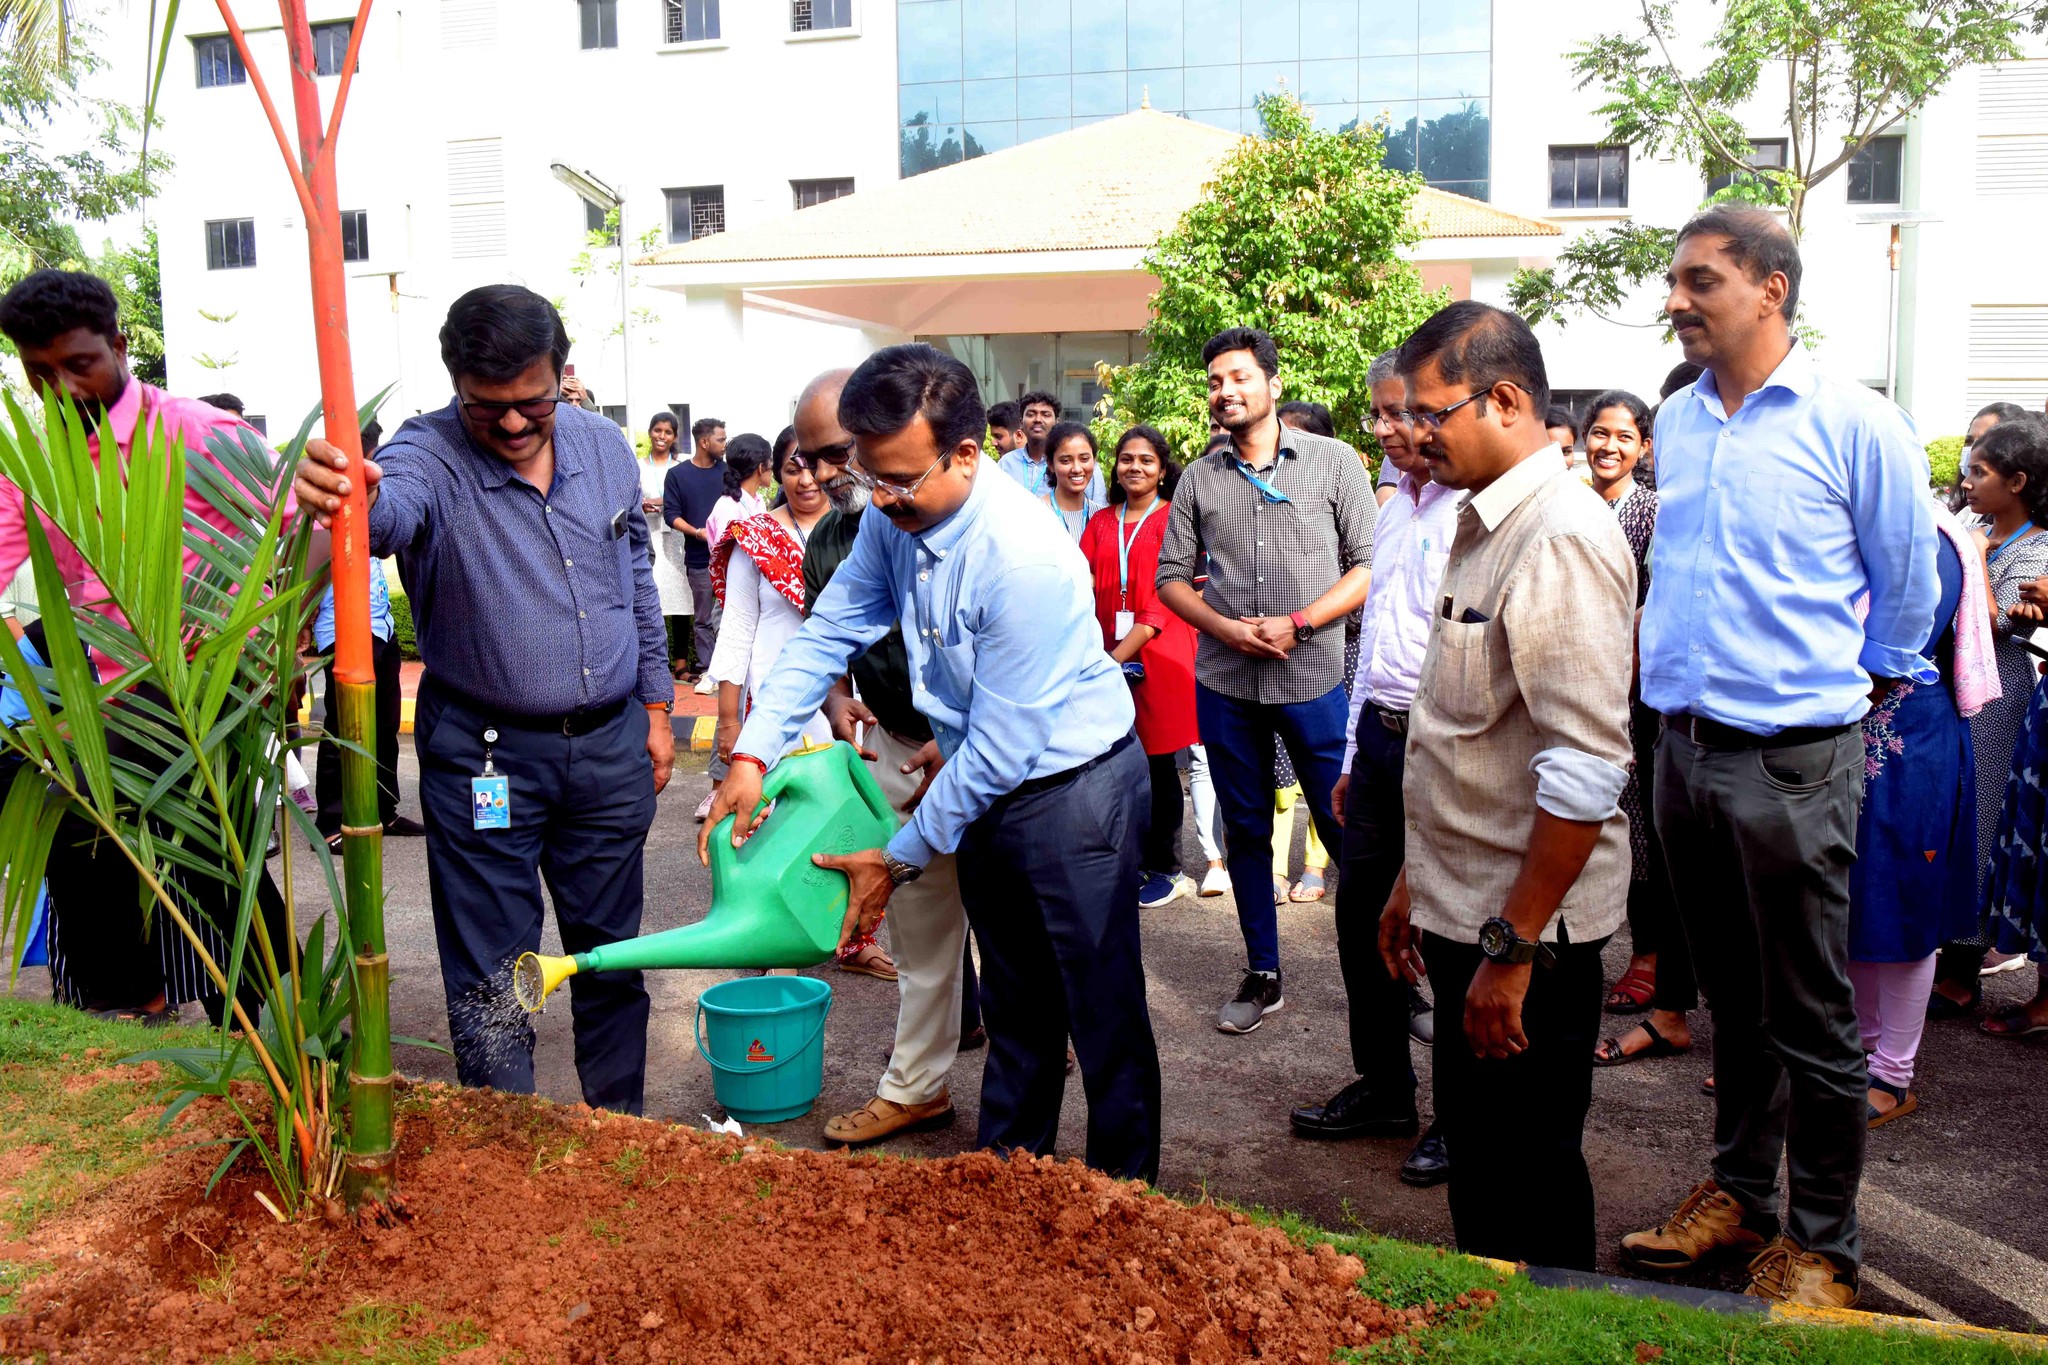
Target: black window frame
<point x="1865" y="166"/>
<point x="597" y="24"/>
<point x="840" y="186"/>
<point x="355" y="235"/>
<point x="208" y="52"/>
<point x="690" y="195"/>
<point x="680" y="16"/>
<point x="595" y="216"/>
<point x="804" y="16"/>
<point x="1597" y="154"/>
<point x="328" y="53"/>
<point x="1717" y="183"/>
<point x="217" y="242"/>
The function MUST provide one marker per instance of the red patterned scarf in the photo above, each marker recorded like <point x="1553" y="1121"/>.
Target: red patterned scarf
<point x="777" y="553"/>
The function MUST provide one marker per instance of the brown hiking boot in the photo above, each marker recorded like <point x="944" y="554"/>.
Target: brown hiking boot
<point x="1785" y="1274"/>
<point x="1707" y="1225"/>
<point x="880" y="1118"/>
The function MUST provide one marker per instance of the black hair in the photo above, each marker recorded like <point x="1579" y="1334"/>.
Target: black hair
<point x="1060" y="434"/>
<point x="1638" y="411"/>
<point x="1477" y="345"/>
<point x="1217" y="440"/>
<point x="2004" y="412"/>
<point x="1169" y="468"/>
<point x="372" y="436"/>
<point x="1007" y="415"/>
<point x="1683" y="373"/>
<point x="1310" y="417"/>
<point x="1244" y="339"/>
<point x="45" y="304"/>
<point x="744" y="456"/>
<point x="496" y="332"/>
<point x="226" y="402"/>
<point x="704" y="426"/>
<point x="1558" y="415"/>
<point x="2019" y="446"/>
<point x="663" y="416"/>
<point x="898" y="384"/>
<point x="785" y="442"/>
<point x="1037" y="396"/>
<point x="1757" y="242"/>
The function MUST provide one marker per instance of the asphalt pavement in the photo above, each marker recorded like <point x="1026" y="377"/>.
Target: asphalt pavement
<point x="1952" y="1195"/>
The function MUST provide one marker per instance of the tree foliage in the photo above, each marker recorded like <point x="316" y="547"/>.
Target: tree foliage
<point x="1841" y="73"/>
<point x="138" y="288"/>
<point x="1300" y="234"/>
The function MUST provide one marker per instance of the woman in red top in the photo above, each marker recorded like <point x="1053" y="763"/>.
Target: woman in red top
<point x="1156" y="647"/>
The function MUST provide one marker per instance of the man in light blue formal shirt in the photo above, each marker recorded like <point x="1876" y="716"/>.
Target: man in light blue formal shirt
<point x="1793" y="584"/>
<point x="1044" y="791"/>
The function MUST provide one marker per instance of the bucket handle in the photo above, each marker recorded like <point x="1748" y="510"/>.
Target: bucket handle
<point x="697" y="1031"/>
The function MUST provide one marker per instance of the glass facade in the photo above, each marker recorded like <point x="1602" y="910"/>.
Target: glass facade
<point x="1011" y="365"/>
<point x="976" y="76"/>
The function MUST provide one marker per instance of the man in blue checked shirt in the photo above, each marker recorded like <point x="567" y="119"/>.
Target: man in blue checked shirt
<point x="1792" y="586"/>
<point x="1044" y="792"/>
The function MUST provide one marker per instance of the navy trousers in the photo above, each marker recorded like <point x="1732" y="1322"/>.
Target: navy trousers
<point x="580" y="810"/>
<point x="1049" y="876"/>
<point x="1239" y="735"/>
<point x="1374" y="848"/>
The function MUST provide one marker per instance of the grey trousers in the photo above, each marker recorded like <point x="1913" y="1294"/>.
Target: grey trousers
<point x="1759" y="843"/>
<point x="705" y="614"/>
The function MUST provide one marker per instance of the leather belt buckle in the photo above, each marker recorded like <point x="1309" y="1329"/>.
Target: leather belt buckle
<point x="1396" y="721"/>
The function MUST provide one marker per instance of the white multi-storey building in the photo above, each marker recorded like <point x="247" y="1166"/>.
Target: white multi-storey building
<point x="712" y="116"/>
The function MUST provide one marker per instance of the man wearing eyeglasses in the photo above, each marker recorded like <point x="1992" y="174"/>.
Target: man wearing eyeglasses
<point x="516" y="520"/>
<point x="1044" y="795"/>
<point x="1286" y="519"/>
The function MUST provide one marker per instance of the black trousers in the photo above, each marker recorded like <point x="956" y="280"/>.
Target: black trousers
<point x="580" y="812"/>
<point x="1520" y="1190"/>
<point x="386" y="657"/>
<point x="1375" y="846"/>
<point x="1760" y="843"/>
<point x="1162" y="839"/>
<point x="1049" y="877"/>
<point x="1653" y="922"/>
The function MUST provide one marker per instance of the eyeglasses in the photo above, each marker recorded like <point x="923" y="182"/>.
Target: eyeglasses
<point x="1392" y="417"/>
<point x="900" y="492"/>
<point x="1435" y="420"/>
<point x="532" y="409"/>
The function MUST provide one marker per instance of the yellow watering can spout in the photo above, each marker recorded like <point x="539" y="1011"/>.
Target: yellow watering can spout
<point x="771" y="906"/>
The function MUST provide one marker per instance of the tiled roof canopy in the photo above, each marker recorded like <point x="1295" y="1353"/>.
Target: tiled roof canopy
<point x="1118" y="184"/>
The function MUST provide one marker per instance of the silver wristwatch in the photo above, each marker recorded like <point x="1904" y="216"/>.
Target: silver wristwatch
<point x="900" y="872"/>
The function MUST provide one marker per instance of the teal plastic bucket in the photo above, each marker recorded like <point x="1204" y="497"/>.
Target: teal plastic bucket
<point x="766" y="1044"/>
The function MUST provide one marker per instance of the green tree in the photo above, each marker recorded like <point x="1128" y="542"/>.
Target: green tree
<point x="138" y="287"/>
<point x="36" y="36"/>
<point x="1301" y="234"/>
<point x="1849" y="71"/>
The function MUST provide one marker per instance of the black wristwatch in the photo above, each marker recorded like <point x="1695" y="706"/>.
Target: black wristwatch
<point x="1304" y="631"/>
<point x="900" y="872"/>
<point x="1501" y="944"/>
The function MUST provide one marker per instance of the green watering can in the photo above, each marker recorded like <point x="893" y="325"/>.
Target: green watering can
<point x="770" y="905"/>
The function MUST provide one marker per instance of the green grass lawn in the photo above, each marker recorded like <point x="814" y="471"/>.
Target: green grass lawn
<point x="89" y="1135"/>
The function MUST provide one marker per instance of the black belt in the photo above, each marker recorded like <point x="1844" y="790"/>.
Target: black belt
<point x="1047" y="783"/>
<point x="1712" y="734"/>
<point x="573" y="724"/>
<point x="1397" y="721"/>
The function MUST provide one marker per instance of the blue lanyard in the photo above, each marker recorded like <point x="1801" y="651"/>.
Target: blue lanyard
<point x="1123" y="552"/>
<point x="2006" y="544"/>
<point x="1266" y="490"/>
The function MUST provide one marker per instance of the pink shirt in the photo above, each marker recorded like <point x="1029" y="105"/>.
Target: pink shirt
<point x="1411" y="544"/>
<point x="185" y="418"/>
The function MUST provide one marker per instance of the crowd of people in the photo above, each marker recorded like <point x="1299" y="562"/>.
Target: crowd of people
<point x="1722" y="668"/>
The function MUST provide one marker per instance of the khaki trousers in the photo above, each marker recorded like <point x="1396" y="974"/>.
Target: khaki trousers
<point x="927" y="935"/>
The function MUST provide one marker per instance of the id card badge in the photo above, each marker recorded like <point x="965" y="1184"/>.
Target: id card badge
<point x="1125" y="622"/>
<point x="490" y="795"/>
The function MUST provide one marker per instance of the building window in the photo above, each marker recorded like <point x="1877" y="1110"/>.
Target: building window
<point x="615" y="411"/>
<point x="1589" y="177"/>
<point x="355" y="235"/>
<point x="813" y="16"/>
<point x="597" y="219"/>
<point x="600" y="23"/>
<point x="1765" y="154"/>
<point x="330" y="48"/>
<point x="691" y="21"/>
<point x="695" y="213"/>
<point x="230" y="243"/>
<point x="258" y="421"/>
<point x="219" y="63"/>
<point x="681" y="412"/>
<point x="809" y="192"/>
<point x="1874" y="172"/>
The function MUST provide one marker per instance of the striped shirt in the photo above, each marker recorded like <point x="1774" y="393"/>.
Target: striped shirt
<point x="1272" y="558"/>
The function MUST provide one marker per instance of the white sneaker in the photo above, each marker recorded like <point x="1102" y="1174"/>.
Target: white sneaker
<point x="707" y="686"/>
<point x="1215" y="881"/>
<point x="704" y="806"/>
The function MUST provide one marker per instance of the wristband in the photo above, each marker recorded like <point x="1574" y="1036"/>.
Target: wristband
<point x="748" y="758"/>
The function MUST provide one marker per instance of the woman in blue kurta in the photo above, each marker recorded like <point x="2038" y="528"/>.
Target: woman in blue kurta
<point x="1915" y="880"/>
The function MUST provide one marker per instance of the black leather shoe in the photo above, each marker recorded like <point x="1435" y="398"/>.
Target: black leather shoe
<point x="1355" y="1111"/>
<point x="405" y="827"/>
<point x="1421" y="1019"/>
<point x="1430" y="1162"/>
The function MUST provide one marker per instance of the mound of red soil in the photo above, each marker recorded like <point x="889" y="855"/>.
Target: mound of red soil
<point x="566" y="1235"/>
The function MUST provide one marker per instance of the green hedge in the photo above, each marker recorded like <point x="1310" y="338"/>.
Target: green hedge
<point x="401" y="623"/>
<point x="1944" y="461"/>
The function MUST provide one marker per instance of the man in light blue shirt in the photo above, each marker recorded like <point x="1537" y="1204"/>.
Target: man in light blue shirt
<point x="1030" y="463"/>
<point x="1793" y="584"/>
<point x="1044" y="792"/>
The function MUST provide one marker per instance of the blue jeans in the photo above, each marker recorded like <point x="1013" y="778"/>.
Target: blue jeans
<point x="1239" y="736"/>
